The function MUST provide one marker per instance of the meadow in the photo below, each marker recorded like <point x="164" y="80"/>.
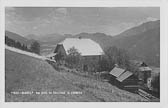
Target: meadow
<point x="25" y="74"/>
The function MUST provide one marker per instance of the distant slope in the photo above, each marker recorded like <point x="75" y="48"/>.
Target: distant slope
<point x="140" y="29"/>
<point x="18" y="38"/>
<point x="24" y="73"/>
<point x="144" y="46"/>
<point x="148" y="47"/>
<point x="47" y="38"/>
<point x="143" y="42"/>
<point x="101" y="38"/>
<point x="32" y="36"/>
<point x="48" y="42"/>
<point x="53" y="38"/>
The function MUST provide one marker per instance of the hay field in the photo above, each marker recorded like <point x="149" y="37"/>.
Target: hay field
<point x="24" y="74"/>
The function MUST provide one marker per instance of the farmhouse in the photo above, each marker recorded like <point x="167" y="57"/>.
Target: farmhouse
<point x="89" y="50"/>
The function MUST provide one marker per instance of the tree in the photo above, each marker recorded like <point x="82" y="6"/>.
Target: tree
<point x="35" y="47"/>
<point x="10" y="42"/>
<point x="24" y="47"/>
<point x="104" y="64"/>
<point x="73" y="58"/>
<point x="114" y="55"/>
<point x="18" y="45"/>
<point x="123" y="58"/>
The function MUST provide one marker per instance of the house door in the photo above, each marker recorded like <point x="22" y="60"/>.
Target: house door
<point x="85" y="67"/>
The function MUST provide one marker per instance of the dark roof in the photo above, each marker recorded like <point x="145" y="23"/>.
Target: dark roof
<point x="57" y="47"/>
<point x="124" y="76"/>
<point x="117" y="71"/>
<point x="138" y="63"/>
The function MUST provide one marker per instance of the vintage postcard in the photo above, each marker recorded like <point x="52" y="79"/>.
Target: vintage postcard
<point x="73" y="53"/>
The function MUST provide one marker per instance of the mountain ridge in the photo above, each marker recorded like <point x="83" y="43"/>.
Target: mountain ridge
<point x="142" y="41"/>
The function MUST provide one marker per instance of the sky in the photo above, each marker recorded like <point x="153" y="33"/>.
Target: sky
<point x="74" y="20"/>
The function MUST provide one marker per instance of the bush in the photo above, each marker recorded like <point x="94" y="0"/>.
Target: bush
<point x="35" y="47"/>
<point x="16" y="44"/>
<point x="73" y="58"/>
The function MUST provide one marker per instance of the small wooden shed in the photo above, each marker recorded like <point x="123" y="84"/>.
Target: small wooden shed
<point x="122" y="77"/>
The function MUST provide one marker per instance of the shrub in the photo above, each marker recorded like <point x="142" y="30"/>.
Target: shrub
<point x="35" y="47"/>
<point x="73" y="58"/>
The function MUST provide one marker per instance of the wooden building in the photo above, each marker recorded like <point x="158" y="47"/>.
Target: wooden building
<point x="123" y="78"/>
<point x="143" y="71"/>
<point x="89" y="50"/>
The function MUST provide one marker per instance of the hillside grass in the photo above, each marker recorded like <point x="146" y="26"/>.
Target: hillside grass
<point x="24" y="73"/>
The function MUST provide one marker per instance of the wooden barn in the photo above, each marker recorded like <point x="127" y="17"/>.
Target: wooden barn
<point x="89" y="50"/>
<point x="144" y="74"/>
<point x="143" y="71"/>
<point x="123" y="78"/>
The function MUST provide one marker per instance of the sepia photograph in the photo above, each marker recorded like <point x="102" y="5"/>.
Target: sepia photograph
<point x="82" y="54"/>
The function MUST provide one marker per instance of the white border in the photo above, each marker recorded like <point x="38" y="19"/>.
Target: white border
<point x="163" y="4"/>
<point x="83" y="3"/>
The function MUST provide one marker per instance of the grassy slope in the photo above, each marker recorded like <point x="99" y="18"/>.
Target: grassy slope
<point x="23" y="73"/>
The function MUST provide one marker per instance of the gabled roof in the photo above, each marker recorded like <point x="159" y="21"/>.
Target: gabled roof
<point x="124" y="76"/>
<point x="85" y="47"/>
<point x="117" y="71"/>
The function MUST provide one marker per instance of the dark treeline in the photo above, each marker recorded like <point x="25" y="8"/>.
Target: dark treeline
<point x="35" y="46"/>
<point x="115" y="56"/>
<point x="16" y="44"/>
